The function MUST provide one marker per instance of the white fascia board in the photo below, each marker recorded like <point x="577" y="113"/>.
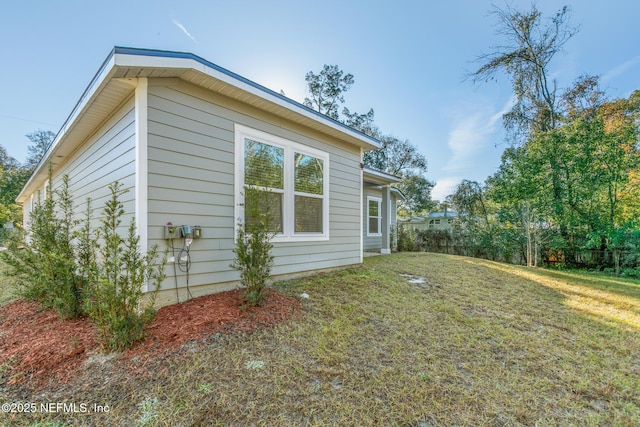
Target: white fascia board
<point x="388" y="178"/>
<point x="146" y="61"/>
<point x="399" y="193"/>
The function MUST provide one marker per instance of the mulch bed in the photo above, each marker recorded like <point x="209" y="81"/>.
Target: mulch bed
<point x="38" y="346"/>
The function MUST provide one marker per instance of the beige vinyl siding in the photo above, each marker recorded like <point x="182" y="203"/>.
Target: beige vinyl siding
<point x="372" y="243"/>
<point x="191" y="181"/>
<point x="26" y="212"/>
<point x="394" y="213"/>
<point x="107" y="156"/>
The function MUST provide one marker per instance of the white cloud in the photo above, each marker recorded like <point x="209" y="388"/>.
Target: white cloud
<point x="620" y="69"/>
<point x="184" y="30"/>
<point x="444" y="187"/>
<point x="471" y="134"/>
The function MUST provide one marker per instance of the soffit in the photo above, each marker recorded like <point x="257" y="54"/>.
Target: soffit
<point x="116" y="81"/>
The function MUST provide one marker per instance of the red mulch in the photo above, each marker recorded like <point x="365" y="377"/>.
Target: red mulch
<point x="40" y="346"/>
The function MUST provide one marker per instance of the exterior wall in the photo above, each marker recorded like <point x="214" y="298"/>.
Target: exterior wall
<point x="106" y="156"/>
<point x="370" y="243"/>
<point x="374" y="243"/>
<point x="191" y="182"/>
<point x="439" y="223"/>
<point x="26" y="212"/>
<point x="394" y="217"/>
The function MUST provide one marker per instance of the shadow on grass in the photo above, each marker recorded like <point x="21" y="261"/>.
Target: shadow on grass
<point x="611" y="301"/>
<point x="626" y="287"/>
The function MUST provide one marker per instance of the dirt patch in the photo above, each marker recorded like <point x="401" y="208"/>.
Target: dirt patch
<point x="38" y="347"/>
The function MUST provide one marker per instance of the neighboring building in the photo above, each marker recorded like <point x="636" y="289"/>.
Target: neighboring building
<point x="183" y="135"/>
<point x="380" y="210"/>
<point x="442" y="221"/>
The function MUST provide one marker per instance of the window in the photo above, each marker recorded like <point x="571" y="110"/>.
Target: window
<point x="264" y="170"/>
<point x="294" y="179"/>
<point x="374" y="216"/>
<point x="309" y="193"/>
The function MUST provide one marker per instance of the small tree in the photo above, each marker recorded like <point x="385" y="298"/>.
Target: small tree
<point x="253" y="245"/>
<point x="44" y="264"/>
<point x="114" y="300"/>
<point x="40" y="142"/>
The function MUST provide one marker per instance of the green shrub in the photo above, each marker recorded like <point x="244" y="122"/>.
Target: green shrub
<point x="114" y="298"/>
<point x="406" y="239"/>
<point x="253" y="246"/>
<point x="43" y="262"/>
<point x="65" y="265"/>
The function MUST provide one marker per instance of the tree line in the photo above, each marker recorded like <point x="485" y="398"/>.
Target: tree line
<point x="568" y="187"/>
<point x="14" y="175"/>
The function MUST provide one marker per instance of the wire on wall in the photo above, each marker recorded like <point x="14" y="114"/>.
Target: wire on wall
<point x="182" y="262"/>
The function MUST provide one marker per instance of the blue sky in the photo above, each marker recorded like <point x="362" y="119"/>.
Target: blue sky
<point x="409" y="59"/>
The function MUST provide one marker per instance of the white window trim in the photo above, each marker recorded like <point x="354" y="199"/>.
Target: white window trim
<point x="379" y="201"/>
<point x="288" y="209"/>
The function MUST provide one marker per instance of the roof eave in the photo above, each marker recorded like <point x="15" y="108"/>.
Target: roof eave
<point x="375" y="176"/>
<point x="147" y="58"/>
<point x="96" y="85"/>
<point x="138" y="61"/>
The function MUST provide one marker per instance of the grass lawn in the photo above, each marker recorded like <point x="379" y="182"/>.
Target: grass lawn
<point x="474" y="343"/>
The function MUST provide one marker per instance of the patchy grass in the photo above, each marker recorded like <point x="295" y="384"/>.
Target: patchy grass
<point x="474" y="343"/>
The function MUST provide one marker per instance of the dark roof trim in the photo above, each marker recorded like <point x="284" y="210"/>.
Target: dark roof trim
<point x="187" y="55"/>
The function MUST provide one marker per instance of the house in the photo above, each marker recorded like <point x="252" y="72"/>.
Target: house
<point x="380" y="210"/>
<point x="438" y="221"/>
<point x="184" y="136"/>
<point x="442" y="220"/>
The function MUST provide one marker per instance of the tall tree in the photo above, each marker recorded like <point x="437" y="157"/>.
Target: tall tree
<point x="362" y="122"/>
<point x="401" y="158"/>
<point x="417" y="192"/>
<point x="530" y="45"/>
<point x="40" y="142"/>
<point x="12" y="178"/>
<point x="469" y="200"/>
<point x="478" y="219"/>
<point x="327" y="90"/>
<point x="395" y="156"/>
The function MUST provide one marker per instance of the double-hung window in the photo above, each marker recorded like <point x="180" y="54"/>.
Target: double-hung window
<point x="294" y="179"/>
<point x="374" y="215"/>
